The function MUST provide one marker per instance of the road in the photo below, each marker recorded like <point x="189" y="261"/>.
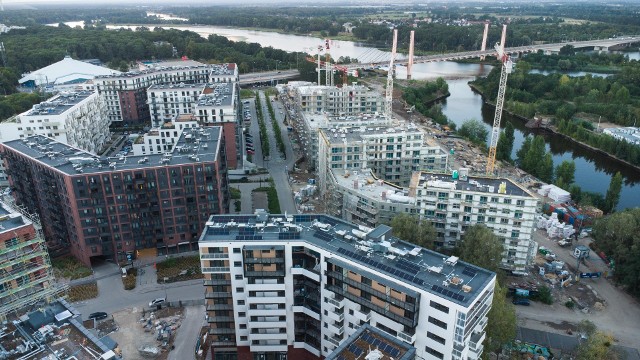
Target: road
<point x="268" y="76"/>
<point x="188" y="333"/>
<point x="621" y="317"/>
<point x="277" y="166"/>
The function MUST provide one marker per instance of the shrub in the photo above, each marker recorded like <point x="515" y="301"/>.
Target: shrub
<point x="83" y="292"/>
<point x="70" y="268"/>
<point x="570" y="304"/>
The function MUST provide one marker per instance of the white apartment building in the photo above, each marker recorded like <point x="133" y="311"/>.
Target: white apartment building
<point x="168" y="101"/>
<point x="347" y="100"/>
<point x="162" y="139"/>
<point x="126" y="94"/>
<point x="298" y="286"/>
<point x="391" y="152"/>
<point x="455" y="202"/>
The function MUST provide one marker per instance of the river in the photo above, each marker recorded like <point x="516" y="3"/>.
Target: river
<point x="593" y="171"/>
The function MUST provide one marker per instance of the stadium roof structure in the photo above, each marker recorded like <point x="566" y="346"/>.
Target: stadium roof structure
<point x="65" y="71"/>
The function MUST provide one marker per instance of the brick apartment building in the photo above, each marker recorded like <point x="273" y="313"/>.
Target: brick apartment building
<point x="108" y="207"/>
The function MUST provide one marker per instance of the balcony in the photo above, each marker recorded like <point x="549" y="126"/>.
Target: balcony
<point x="334" y="340"/>
<point x="217" y="282"/>
<point x="336" y="316"/>
<point x="336" y="328"/>
<point x="265" y="287"/>
<point x="266" y="312"/>
<point x="268" y="336"/>
<point x="266" y="324"/>
<point x="219" y="307"/>
<point x="338" y="304"/>
<point x="210" y="270"/>
<point x="214" y="256"/>
<point x="407" y="337"/>
<point x="364" y="317"/>
<point x="268" y="348"/>
<point x="305" y="272"/>
<point x="261" y="273"/>
<point x="217" y="295"/>
<point x="272" y="260"/>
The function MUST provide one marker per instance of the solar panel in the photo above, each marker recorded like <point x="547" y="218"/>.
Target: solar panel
<point x="395" y="353"/>
<point x="469" y="271"/>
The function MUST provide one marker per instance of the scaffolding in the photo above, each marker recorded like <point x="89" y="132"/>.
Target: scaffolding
<point x="26" y="274"/>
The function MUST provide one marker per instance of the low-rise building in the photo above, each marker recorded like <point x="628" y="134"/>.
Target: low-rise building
<point x="629" y="134"/>
<point x="300" y="285"/>
<point x="111" y="207"/>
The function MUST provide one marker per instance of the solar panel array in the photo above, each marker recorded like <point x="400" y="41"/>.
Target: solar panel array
<point x="330" y="221"/>
<point x="323" y="236"/>
<point x="304" y="218"/>
<point x="469" y="271"/>
<point x="393" y="351"/>
<point x="408" y="266"/>
<point x="289" y="235"/>
<point x="246" y="231"/>
<point x="355" y="350"/>
<point x="218" y="231"/>
<point x="381" y="266"/>
<point x="447" y="292"/>
<point x="248" y="237"/>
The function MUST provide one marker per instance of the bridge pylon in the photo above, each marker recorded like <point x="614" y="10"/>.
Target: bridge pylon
<point x="410" y="61"/>
<point x="484" y="38"/>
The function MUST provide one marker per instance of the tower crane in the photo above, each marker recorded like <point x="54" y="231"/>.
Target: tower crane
<point x="388" y="111"/>
<point x="507" y="66"/>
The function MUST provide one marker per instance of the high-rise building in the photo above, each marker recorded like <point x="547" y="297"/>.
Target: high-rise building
<point x="110" y="207"/>
<point x="77" y="118"/>
<point x="166" y="102"/>
<point x="300" y="285"/>
<point x="347" y="100"/>
<point x="26" y="275"/>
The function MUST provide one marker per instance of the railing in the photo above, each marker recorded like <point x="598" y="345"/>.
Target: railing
<point x="214" y="256"/>
<point x="214" y="269"/>
<point x="217" y="295"/>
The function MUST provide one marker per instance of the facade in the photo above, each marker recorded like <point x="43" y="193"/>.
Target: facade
<point x="453" y="204"/>
<point x="168" y="101"/>
<point x="77" y="118"/>
<point x="93" y="206"/>
<point x="26" y="273"/>
<point x="300" y="285"/>
<point x="219" y="105"/>
<point x="347" y="100"/>
<point x="162" y="139"/>
<point x="392" y="153"/>
<point x="126" y="94"/>
<point x="367" y="340"/>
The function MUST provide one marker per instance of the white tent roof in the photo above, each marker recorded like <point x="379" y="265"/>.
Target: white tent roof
<point x="66" y="70"/>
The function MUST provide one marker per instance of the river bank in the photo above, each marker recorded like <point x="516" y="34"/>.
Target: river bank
<point x="552" y="129"/>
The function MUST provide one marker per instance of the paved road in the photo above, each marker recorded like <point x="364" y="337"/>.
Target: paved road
<point x="621" y="316"/>
<point x="188" y="333"/>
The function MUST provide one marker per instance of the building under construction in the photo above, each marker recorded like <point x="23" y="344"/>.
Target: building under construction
<point x="26" y="275"/>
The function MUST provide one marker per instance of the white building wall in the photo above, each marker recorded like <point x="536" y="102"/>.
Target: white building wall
<point x="161" y="140"/>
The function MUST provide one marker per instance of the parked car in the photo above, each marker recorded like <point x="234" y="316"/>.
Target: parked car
<point x="250" y="152"/>
<point x="98" y="315"/>
<point x="521" y="301"/>
<point x="156" y="302"/>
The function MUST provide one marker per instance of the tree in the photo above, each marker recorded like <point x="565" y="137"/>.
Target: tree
<point x="524" y="149"/>
<point x="481" y="247"/>
<point x="544" y="170"/>
<point x="505" y="143"/>
<point x="566" y="170"/>
<point x="597" y="347"/>
<point x="501" y="327"/>
<point x="613" y="193"/>
<point x="414" y="230"/>
<point x="475" y="131"/>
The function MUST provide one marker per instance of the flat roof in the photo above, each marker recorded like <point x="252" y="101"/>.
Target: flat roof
<point x="9" y="219"/>
<point x="367" y="339"/>
<point x="218" y="94"/>
<point x="179" y="86"/>
<point x="59" y="104"/>
<point x="304" y="89"/>
<point x="194" y="145"/>
<point x="367" y="185"/>
<point x="340" y="133"/>
<point x="315" y="120"/>
<point x="490" y="185"/>
<point x="409" y="264"/>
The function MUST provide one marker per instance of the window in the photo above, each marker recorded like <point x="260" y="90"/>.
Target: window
<point x="236" y="250"/>
<point x="240" y="289"/>
<point x="242" y="314"/>
<point x="434" y="352"/>
<point x="243" y="338"/>
<point x="435" y="337"/>
<point x="507" y="201"/>
<point x="437" y="322"/>
<point x="237" y="263"/>
<point x="238" y="277"/>
<point x="240" y="302"/>
<point x="438" y="306"/>
<point x="468" y="198"/>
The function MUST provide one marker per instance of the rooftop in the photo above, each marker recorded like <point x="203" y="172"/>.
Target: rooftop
<point x="66" y="70"/>
<point x="316" y="121"/>
<point x="194" y="145"/>
<point x="367" y="339"/>
<point x="180" y="86"/>
<point x="629" y="134"/>
<point x="59" y="104"/>
<point x="341" y="133"/>
<point x="9" y="219"/>
<point x="219" y="94"/>
<point x="488" y="185"/>
<point x="316" y="89"/>
<point x="363" y="182"/>
<point x="410" y="265"/>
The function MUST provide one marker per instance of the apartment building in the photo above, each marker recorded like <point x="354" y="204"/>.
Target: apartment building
<point x="77" y="118"/>
<point x="162" y="139"/>
<point x="392" y="153"/>
<point x="168" y="101"/>
<point x="97" y="206"/>
<point x="298" y="286"/>
<point x="26" y="273"/>
<point x="126" y="94"/>
<point x="370" y="340"/>
<point x="219" y="105"/>
<point x="347" y="100"/>
<point x="455" y="202"/>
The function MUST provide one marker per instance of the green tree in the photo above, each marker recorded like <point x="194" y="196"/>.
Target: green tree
<point x="613" y="193"/>
<point x="566" y="171"/>
<point x="481" y="247"/>
<point x="544" y="169"/>
<point x="524" y="149"/>
<point x="414" y="230"/>
<point x="475" y="131"/>
<point x="505" y="143"/>
<point x="501" y="327"/>
<point x="598" y="346"/>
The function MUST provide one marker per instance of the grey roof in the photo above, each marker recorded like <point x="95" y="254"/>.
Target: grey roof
<point x="67" y="70"/>
<point x="219" y="94"/>
<point x="10" y="220"/>
<point x="194" y="145"/>
<point x="59" y="103"/>
<point x="368" y="338"/>
<point x="476" y="183"/>
<point x="412" y="266"/>
<point x="179" y="86"/>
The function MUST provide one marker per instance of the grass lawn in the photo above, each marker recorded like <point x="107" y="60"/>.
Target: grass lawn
<point x="70" y="268"/>
<point x="179" y="269"/>
<point x="83" y="292"/>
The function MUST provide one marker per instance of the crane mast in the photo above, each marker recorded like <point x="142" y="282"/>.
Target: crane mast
<point x="388" y="111"/>
<point x="507" y="66"/>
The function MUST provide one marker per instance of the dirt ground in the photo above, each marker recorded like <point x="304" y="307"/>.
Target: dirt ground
<point x="131" y="333"/>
